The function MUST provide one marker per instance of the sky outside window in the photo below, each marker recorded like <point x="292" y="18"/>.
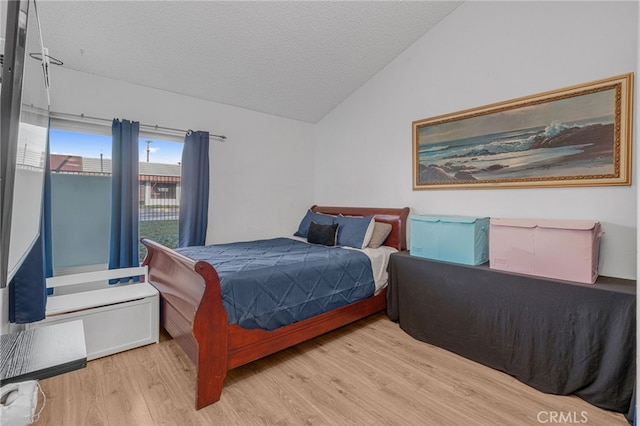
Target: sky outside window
<point x="93" y="145"/>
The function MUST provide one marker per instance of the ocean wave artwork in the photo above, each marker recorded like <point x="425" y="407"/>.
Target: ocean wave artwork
<point x="558" y="149"/>
<point x="574" y="137"/>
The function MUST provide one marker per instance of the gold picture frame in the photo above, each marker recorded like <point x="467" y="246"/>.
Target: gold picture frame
<point x="576" y="136"/>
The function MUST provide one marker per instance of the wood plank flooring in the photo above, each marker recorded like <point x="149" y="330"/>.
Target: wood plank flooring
<point x="368" y="373"/>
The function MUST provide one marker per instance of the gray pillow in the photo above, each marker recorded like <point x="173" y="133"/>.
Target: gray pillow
<point x="380" y="234"/>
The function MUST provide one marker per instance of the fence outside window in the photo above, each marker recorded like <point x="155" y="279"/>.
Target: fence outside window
<point x="158" y="195"/>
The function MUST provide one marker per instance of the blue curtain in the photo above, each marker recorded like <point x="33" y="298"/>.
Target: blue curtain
<point x="194" y="190"/>
<point x="28" y="288"/>
<point x="123" y="252"/>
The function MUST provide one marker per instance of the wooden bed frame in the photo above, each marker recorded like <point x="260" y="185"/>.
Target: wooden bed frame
<point x="192" y="312"/>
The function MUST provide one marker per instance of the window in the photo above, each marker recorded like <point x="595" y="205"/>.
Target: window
<point x="80" y="200"/>
<point x="160" y="172"/>
<point x="81" y="195"/>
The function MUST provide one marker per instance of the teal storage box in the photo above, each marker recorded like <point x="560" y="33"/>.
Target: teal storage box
<point x="458" y="239"/>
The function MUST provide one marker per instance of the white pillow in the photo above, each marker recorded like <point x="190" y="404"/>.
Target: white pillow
<point x="369" y="233"/>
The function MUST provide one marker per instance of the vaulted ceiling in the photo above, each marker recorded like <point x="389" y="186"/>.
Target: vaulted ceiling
<point x="295" y="59"/>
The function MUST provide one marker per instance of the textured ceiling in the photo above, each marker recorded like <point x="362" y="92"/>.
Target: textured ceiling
<point x="294" y="59"/>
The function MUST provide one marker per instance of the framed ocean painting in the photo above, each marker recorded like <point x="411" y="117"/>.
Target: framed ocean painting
<point x="576" y="136"/>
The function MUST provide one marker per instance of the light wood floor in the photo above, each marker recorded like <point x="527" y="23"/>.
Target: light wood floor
<point x="369" y="373"/>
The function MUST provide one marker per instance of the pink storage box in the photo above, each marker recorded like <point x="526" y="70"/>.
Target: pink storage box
<point x="561" y="249"/>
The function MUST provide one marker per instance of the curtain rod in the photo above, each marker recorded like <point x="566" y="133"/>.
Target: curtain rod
<point x="148" y="127"/>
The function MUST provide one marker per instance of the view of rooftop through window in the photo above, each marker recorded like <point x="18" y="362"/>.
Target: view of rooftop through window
<point x="94" y="146"/>
<point x="81" y="174"/>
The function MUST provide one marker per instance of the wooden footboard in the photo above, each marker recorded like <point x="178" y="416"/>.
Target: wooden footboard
<point x="192" y="311"/>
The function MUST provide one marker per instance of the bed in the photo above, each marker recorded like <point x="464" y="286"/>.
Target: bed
<point x="193" y="313"/>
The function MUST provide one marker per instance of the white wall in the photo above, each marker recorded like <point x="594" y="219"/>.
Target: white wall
<point x="261" y="176"/>
<point x="484" y="52"/>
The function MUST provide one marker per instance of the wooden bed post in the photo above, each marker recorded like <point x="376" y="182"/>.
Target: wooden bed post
<point x="210" y="331"/>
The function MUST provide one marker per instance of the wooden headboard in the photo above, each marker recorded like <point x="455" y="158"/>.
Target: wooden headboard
<point x="397" y="218"/>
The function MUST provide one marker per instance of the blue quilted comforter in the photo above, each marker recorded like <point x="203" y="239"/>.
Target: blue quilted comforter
<point x="270" y="283"/>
